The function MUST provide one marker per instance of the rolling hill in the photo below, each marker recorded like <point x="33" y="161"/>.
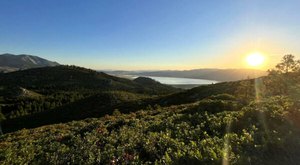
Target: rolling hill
<point x="75" y="78"/>
<point x="38" y="96"/>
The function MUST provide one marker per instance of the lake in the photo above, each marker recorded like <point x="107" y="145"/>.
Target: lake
<point x="179" y="81"/>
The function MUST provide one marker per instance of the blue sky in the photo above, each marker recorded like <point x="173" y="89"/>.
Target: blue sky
<point x="150" y="34"/>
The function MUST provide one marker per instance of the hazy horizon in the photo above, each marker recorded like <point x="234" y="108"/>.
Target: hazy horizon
<point x="138" y="70"/>
<point x="151" y="35"/>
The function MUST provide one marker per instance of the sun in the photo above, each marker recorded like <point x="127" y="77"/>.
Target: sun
<point x="255" y="59"/>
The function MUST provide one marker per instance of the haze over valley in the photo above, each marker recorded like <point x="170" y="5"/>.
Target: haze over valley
<point x="11" y="62"/>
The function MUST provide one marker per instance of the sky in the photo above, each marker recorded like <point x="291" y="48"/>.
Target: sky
<point x="151" y="34"/>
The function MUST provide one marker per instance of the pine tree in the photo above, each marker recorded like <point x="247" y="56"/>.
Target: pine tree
<point x="288" y="64"/>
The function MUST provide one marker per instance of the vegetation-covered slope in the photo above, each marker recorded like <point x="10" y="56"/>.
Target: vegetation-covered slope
<point x="249" y="122"/>
<point x="39" y="96"/>
<point x="211" y="131"/>
<point x="49" y="79"/>
<point x="154" y="85"/>
<point x="100" y="104"/>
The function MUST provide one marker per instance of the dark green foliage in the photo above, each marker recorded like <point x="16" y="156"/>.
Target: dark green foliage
<point x="154" y="85"/>
<point x="2" y="117"/>
<point x="200" y="92"/>
<point x="260" y="133"/>
<point x="96" y="105"/>
<point x="39" y="96"/>
<point x="72" y="78"/>
<point x="223" y="96"/>
<point x="21" y="106"/>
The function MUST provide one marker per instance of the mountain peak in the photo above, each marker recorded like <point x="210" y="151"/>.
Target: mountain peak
<point x="11" y="62"/>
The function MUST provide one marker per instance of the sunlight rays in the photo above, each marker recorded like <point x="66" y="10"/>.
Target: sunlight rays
<point x="259" y="95"/>
<point x="227" y="146"/>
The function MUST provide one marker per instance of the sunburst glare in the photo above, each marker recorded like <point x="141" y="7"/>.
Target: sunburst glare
<point x="255" y="59"/>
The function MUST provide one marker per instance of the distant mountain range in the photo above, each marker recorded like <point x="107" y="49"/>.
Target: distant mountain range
<point x="11" y="62"/>
<point x="209" y="74"/>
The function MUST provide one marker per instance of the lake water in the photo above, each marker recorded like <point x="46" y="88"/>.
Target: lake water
<point x="179" y="81"/>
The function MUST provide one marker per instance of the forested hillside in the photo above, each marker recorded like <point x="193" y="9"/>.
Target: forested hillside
<point x="48" y="95"/>
<point x="254" y="121"/>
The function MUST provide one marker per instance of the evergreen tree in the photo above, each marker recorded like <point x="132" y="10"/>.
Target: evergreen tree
<point x="281" y="78"/>
<point x="288" y="64"/>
